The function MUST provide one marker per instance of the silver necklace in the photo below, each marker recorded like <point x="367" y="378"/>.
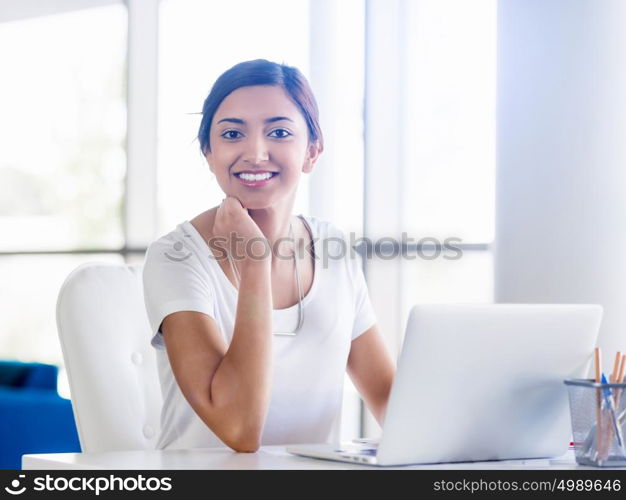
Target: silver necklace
<point x="295" y="261"/>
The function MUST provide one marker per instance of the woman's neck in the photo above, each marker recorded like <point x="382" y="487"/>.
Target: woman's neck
<point x="274" y="224"/>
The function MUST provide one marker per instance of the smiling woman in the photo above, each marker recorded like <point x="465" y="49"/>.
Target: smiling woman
<point x="242" y="146"/>
<point x="276" y="110"/>
<point x="225" y="378"/>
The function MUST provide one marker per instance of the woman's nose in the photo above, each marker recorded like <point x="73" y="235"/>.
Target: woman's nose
<point x="255" y="151"/>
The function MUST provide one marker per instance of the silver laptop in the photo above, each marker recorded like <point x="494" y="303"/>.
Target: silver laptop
<point x="479" y="382"/>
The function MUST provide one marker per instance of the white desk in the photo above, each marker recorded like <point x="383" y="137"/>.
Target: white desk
<point x="268" y="457"/>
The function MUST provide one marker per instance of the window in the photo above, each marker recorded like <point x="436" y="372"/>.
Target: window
<point x="450" y="119"/>
<point x="430" y="111"/>
<point x="63" y="122"/>
<point x="62" y="167"/>
<point x="449" y="169"/>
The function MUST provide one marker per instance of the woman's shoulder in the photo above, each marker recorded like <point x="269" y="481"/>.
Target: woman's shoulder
<point x="173" y="254"/>
<point x="335" y="241"/>
<point x="167" y="241"/>
<point x="325" y="228"/>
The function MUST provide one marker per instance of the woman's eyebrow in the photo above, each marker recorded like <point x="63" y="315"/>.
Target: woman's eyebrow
<point x="268" y="120"/>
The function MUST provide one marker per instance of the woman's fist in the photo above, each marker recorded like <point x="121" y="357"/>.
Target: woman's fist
<point x="237" y="233"/>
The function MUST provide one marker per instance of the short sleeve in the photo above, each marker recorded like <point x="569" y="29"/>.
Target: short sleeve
<point x="364" y="315"/>
<point x="173" y="281"/>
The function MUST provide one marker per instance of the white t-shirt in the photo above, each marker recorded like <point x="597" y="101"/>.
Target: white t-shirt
<point x="181" y="273"/>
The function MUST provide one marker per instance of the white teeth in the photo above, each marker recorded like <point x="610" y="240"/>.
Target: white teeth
<point x="254" y="177"/>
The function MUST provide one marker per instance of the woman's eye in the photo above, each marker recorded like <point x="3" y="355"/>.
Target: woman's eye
<point x="228" y="135"/>
<point x="281" y="133"/>
<point x="235" y="134"/>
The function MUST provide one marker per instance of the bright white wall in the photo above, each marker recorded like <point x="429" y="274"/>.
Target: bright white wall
<point x="561" y="178"/>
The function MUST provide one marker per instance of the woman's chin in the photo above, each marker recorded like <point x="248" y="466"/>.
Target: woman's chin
<point x="256" y="202"/>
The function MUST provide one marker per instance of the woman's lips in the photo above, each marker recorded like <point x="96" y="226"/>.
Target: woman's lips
<point x="254" y="183"/>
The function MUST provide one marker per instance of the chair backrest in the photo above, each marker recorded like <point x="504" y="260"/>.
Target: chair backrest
<point x="105" y="337"/>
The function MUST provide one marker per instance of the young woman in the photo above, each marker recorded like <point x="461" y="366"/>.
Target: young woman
<point x="253" y="335"/>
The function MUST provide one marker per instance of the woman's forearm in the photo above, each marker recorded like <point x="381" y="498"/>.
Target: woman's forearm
<point x="241" y="386"/>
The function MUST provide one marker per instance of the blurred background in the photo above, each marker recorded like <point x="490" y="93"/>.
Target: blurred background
<point x="497" y="123"/>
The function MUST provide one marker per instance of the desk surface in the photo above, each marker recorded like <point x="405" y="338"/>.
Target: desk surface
<point x="268" y="457"/>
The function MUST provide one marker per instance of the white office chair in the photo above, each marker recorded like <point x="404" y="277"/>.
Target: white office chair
<point x="111" y="367"/>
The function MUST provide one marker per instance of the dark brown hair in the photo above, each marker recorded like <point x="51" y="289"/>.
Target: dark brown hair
<point x="261" y="72"/>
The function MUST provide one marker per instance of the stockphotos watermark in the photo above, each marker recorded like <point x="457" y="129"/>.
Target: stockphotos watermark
<point x="95" y="485"/>
<point x="324" y="249"/>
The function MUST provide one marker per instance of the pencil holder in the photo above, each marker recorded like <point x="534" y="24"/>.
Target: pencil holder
<point x="598" y="413"/>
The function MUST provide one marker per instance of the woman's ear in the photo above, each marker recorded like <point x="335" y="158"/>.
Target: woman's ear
<point x="313" y="152"/>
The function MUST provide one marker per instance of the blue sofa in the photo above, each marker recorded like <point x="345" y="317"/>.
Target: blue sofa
<point x="33" y="417"/>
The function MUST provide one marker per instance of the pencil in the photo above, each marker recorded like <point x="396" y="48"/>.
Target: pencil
<point x="618" y="371"/>
<point x="597" y="358"/>
<point x="616" y="366"/>
<point x="613" y="379"/>
<point x="619" y="379"/>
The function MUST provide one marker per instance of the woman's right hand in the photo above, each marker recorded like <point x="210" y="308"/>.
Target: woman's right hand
<point x="234" y="229"/>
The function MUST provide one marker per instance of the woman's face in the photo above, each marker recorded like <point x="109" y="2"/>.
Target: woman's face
<point x="259" y="130"/>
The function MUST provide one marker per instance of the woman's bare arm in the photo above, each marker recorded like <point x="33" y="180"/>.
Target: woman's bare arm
<point x="372" y="370"/>
<point x="228" y="388"/>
